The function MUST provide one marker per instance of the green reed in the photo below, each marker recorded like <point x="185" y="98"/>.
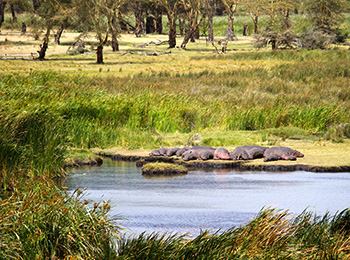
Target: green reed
<point x="272" y="234"/>
<point x="42" y="222"/>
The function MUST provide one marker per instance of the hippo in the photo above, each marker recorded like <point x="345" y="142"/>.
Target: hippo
<point x="198" y="152"/>
<point x="221" y="153"/>
<point x="206" y="155"/>
<point x="172" y="151"/>
<point x="190" y="155"/>
<point x="181" y="151"/>
<point x="248" y="152"/>
<point x="163" y="151"/>
<point x="154" y="153"/>
<point x="239" y="154"/>
<point x="281" y="153"/>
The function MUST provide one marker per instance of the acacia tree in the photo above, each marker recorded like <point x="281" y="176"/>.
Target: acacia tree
<point x="277" y="31"/>
<point x="253" y="9"/>
<point x="211" y="4"/>
<point x="193" y="10"/>
<point x="230" y="9"/>
<point x="100" y="16"/>
<point x="171" y="8"/>
<point x="325" y="14"/>
<point x="49" y="11"/>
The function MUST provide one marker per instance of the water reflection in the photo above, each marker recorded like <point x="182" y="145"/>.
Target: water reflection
<point x="207" y="199"/>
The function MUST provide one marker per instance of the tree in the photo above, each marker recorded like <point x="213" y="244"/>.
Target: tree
<point x="230" y="9"/>
<point x="254" y="9"/>
<point x="2" y="11"/>
<point x="325" y="14"/>
<point x="101" y="16"/>
<point x="193" y="10"/>
<point x="210" y="20"/>
<point x="171" y="8"/>
<point x="49" y="11"/>
<point x="277" y="31"/>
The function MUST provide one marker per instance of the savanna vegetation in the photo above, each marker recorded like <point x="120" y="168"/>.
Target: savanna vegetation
<point x="286" y="80"/>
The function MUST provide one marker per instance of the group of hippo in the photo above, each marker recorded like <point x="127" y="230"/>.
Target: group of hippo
<point x="246" y="152"/>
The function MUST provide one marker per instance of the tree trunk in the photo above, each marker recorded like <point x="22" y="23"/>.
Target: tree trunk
<point x="230" y="30"/>
<point x="99" y="53"/>
<point x="159" y="23"/>
<point x="150" y="23"/>
<point x="115" y="43"/>
<point x="273" y="44"/>
<point x="172" y="36"/>
<point x="45" y="45"/>
<point x="99" y="50"/>
<point x="245" y="29"/>
<point x="43" y="49"/>
<point x="210" y="20"/>
<point x="58" y="35"/>
<point x="24" y="28"/>
<point x="2" y="11"/>
<point x="139" y="28"/>
<point x="256" y="29"/>
<point x="14" y="18"/>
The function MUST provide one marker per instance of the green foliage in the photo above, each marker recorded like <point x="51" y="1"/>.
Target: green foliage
<point x="272" y="234"/>
<point x="41" y="222"/>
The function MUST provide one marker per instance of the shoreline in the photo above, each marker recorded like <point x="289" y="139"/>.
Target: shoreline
<point x="140" y="160"/>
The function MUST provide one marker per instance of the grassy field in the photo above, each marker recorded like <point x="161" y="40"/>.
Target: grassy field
<point x="68" y="106"/>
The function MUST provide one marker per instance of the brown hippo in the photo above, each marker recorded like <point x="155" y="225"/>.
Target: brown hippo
<point x="248" y="152"/>
<point x="239" y="154"/>
<point x="172" y="151"/>
<point x="206" y="155"/>
<point x="181" y="151"/>
<point x="154" y="153"/>
<point x="221" y="153"/>
<point x="190" y="155"/>
<point x="199" y="152"/>
<point x="281" y="153"/>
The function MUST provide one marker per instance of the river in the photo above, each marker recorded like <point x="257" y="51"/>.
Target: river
<point x="206" y="199"/>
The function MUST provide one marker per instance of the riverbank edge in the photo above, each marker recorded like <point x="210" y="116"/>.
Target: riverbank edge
<point x="141" y="160"/>
<point x="76" y="163"/>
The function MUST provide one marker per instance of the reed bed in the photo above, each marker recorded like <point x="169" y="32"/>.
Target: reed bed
<point x="272" y="234"/>
<point x="42" y="222"/>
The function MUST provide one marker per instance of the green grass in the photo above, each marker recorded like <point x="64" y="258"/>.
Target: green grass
<point x="272" y="234"/>
<point x="43" y="222"/>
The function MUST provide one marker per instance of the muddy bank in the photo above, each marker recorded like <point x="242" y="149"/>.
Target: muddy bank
<point x="85" y="162"/>
<point x="141" y="160"/>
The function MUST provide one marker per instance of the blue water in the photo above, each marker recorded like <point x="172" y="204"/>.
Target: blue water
<point x="202" y="199"/>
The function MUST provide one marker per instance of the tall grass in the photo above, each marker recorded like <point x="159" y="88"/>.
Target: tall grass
<point x="42" y="222"/>
<point x="272" y="234"/>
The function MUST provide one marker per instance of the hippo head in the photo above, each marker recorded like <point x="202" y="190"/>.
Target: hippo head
<point x="298" y="154"/>
<point x="224" y="156"/>
<point x="288" y="156"/>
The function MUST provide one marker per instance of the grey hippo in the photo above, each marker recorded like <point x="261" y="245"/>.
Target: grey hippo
<point x="281" y="153"/>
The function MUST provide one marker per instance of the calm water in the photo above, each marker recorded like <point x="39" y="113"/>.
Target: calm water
<point x="206" y="199"/>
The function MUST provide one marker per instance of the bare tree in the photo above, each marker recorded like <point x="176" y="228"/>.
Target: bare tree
<point x="254" y="8"/>
<point x="49" y="11"/>
<point x="194" y="10"/>
<point x="102" y="16"/>
<point x="210" y="20"/>
<point x="171" y="8"/>
<point x="230" y="9"/>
